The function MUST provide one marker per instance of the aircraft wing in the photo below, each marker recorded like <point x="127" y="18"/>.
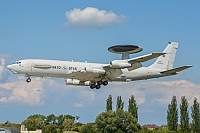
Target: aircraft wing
<point x="83" y="76"/>
<point x="95" y="74"/>
<point x="145" y="57"/>
<point x="111" y="74"/>
<point x="133" y="62"/>
<point x="176" y="70"/>
<point x="112" y="70"/>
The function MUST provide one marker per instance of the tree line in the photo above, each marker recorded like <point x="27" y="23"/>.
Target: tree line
<point x="185" y="126"/>
<point x="118" y="120"/>
<point x="109" y="121"/>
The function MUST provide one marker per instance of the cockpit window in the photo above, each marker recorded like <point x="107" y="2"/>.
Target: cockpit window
<point x="17" y="62"/>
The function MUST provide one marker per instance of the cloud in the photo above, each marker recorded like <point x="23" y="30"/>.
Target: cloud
<point x="146" y="93"/>
<point x="162" y="92"/>
<point x="91" y="17"/>
<point x="22" y="92"/>
<point x="39" y="91"/>
<point x="125" y="90"/>
<point x="4" y="100"/>
<point x="86" y="97"/>
<point x="3" y="71"/>
<point x="152" y="93"/>
<point x="152" y="97"/>
<point x="79" y="104"/>
<point x="179" y="88"/>
<point x="86" y="93"/>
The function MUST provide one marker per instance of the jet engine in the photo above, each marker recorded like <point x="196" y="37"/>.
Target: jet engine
<point x="77" y="82"/>
<point x="120" y="64"/>
<point x="94" y="70"/>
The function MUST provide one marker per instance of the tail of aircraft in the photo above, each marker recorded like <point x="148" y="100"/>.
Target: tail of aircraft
<point x="166" y="61"/>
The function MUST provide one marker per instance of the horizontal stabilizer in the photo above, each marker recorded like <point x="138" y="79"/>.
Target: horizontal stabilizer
<point x="176" y="70"/>
<point x="145" y="57"/>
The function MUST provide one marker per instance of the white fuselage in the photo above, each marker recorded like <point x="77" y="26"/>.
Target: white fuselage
<point x="60" y="69"/>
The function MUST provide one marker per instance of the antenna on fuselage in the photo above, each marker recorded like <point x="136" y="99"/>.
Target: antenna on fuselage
<point x="125" y="50"/>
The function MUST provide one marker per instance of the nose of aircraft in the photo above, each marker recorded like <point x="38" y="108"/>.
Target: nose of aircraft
<point x="12" y="69"/>
<point x="9" y="67"/>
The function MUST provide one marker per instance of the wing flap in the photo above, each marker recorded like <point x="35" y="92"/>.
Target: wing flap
<point x="145" y="57"/>
<point x="113" y="74"/>
<point x="81" y="75"/>
<point x="176" y="70"/>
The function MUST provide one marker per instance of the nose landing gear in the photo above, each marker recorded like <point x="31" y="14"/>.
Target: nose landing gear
<point x="28" y="79"/>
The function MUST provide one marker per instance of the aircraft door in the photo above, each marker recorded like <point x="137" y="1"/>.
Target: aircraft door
<point x="29" y="65"/>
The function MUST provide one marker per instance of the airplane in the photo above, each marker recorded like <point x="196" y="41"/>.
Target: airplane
<point x="95" y="75"/>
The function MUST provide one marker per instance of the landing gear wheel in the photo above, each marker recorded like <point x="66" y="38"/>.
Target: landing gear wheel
<point x="100" y="82"/>
<point x="105" y="83"/>
<point x="92" y="86"/>
<point x="28" y="80"/>
<point x="98" y="86"/>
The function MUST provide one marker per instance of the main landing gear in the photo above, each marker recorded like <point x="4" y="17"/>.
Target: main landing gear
<point x="28" y="79"/>
<point x="98" y="84"/>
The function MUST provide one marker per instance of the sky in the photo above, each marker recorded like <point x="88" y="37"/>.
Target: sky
<point x="82" y="31"/>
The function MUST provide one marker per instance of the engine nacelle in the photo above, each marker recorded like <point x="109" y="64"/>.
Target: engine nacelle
<point x="72" y="81"/>
<point x="77" y="82"/>
<point x="119" y="64"/>
<point x="94" y="70"/>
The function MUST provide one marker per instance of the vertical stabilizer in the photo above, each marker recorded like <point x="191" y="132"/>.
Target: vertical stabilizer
<point x="166" y="61"/>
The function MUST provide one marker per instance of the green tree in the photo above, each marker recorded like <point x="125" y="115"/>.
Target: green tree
<point x="104" y="121"/>
<point x="69" y="117"/>
<point x="117" y="121"/>
<point x="76" y="126"/>
<point x="51" y="128"/>
<point x="195" y="126"/>
<point x="51" y="119"/>
<point x="68" y="124"/>
<point x="132" y="107"/>
<point x="172" y="115"/>
<point x="120" y="104"/>
<point x="88" y="128"/>
<point x="184" y="118"/>
<point x="109" y="103"/>
<point x="34" y="122"/>
<point x="60" y="120"/>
